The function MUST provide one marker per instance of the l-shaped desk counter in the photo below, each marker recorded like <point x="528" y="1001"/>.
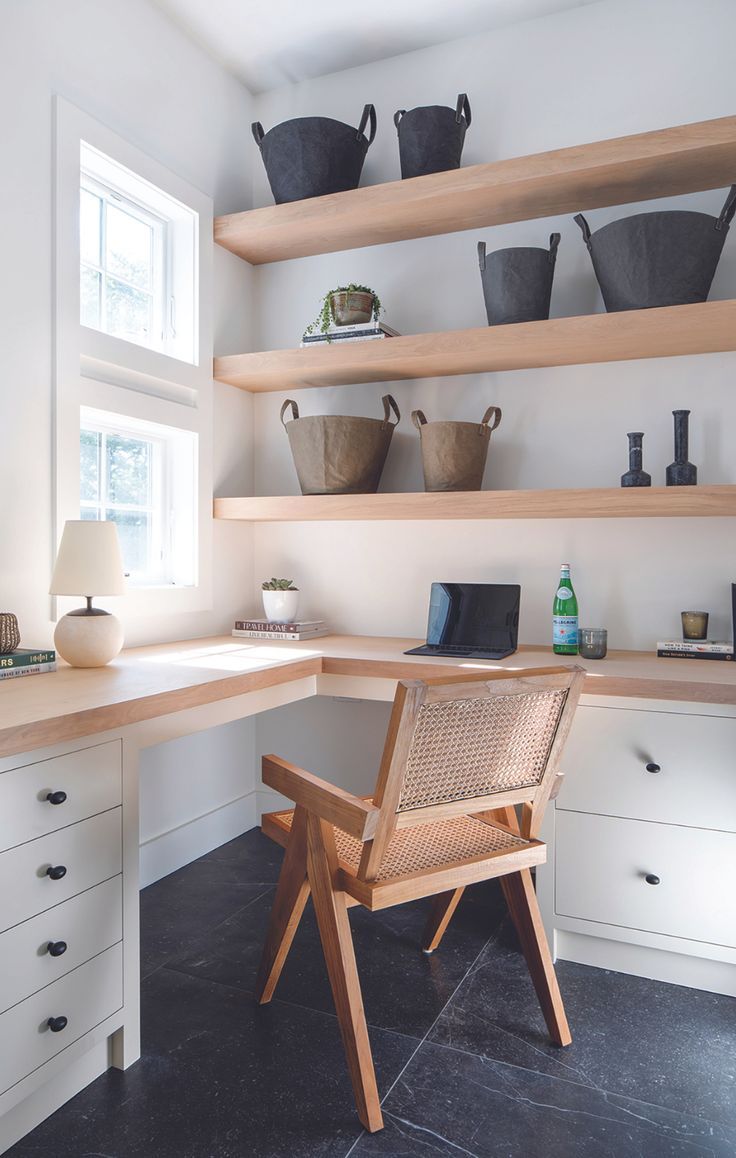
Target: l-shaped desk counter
<point x="78" y="733"/>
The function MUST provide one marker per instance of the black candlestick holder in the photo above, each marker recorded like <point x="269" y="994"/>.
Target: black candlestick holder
<point x="681" y="473"/>
<point x="635" y="476"/>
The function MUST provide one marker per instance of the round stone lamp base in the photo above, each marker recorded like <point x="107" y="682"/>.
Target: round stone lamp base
<point x="88" y="640"/>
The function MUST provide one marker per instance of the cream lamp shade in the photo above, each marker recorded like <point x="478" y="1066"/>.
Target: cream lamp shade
<point x="89" y="563"/>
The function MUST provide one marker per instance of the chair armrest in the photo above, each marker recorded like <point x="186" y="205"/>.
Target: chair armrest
<point x="347" y="812"/>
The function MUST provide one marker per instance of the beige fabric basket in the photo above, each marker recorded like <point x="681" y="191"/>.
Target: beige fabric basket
<point x="454" y="453"/>
<point x="339" y="455"/>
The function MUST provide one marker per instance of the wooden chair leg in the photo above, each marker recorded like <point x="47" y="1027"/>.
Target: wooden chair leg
<point x="440" y="915"/>
<point x="292" y="893"/>
<point x="337" y="942"/>
<point x="518" y="889"/>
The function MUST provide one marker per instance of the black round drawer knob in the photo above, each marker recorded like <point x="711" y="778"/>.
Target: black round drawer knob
<point x="56" y="797"/>
<point x="651" y="879"/>
<point x="56" y="871"/>
<point x="654" y="768"/>
<point x="56" y="1024"/>
<point x="56" y="948"/>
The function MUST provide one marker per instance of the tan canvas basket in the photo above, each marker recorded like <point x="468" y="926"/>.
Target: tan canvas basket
<point x="339" y="455"/>
<point x="454" y="453"/>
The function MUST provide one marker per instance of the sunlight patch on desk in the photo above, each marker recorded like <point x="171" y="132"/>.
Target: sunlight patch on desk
<point x="233" y="657"/>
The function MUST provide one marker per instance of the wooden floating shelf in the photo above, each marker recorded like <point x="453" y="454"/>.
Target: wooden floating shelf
<point x="706" y="327"/>
<point x="608" y="503"/>
<point x="664" y="163"/>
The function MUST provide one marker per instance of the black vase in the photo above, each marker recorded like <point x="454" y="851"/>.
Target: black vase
<point x="635" y="476"/>
<point x="681" y="473"/>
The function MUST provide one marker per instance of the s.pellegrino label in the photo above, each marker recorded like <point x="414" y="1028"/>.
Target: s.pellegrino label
<point x="565" y="616"/>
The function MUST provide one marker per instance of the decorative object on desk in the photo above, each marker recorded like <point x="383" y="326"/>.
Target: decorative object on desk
<point x="635" y="476"/>
<point x="517" y="282"/>
<point x="565" y="615"/>
<point x="593" y="642"/>
<point x="360" y="332"/>
<point x="431" y="137"/>
<point x="666" y="258"/>
<point x="280" y="600"/>
<point x="694" y="624"/>
<point x="336" y="454"/>
<point x="89" y="560"/>
<point x="314" y="156"/>
<point x="454" y="453"/>
<point x="350" y="305"/>
<point x="9" y="632"/>
<point x="681" y="473"/>
<point x="695" y="649"/>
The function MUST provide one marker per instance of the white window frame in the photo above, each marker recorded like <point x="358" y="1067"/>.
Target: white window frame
<point x="95" y="370"/>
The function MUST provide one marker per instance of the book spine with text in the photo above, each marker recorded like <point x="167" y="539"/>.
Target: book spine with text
<point x="26" y="659"/>
<point x="10" y="673"/>
<point x="689" y="646"/>
<point x="265" y="625"/>
<point x="669" y="653"/>
<point x="292" y="635"/>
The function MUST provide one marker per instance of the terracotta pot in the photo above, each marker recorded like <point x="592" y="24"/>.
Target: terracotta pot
<point x="350" y="308"/>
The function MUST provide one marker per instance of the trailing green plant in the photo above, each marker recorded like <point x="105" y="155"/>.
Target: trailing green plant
<point x="326" y="315"/>
<point x="278" y="585"/>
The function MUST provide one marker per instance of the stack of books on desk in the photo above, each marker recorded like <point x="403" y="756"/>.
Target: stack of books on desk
<point x="24" y="662"/>
<point x="360" y="332"/>
<point x="264" y="629"/>
<point x="695" y="649"/>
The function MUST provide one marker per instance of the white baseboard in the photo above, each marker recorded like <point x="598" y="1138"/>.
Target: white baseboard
<point x="646" y="961"/>
<point x="169" y="851"/>
<point x="270" y="801"/>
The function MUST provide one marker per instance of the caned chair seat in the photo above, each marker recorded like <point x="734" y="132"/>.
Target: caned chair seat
<point x="426" y="846"/>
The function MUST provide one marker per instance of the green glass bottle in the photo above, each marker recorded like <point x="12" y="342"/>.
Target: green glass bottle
<point x="565" y="616"/>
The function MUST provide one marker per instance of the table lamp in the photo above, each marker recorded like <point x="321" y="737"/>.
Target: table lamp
<point x="89" y="559"/>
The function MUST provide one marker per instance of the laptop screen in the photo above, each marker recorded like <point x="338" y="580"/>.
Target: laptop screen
<point x="477" y="615"/>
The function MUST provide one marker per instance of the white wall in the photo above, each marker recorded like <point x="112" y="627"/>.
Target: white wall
<point x="132" y="69"/>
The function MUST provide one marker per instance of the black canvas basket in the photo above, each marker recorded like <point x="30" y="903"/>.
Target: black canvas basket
<point x="313" y="156"/>
<point x="666" y="258"/>
<point x="431" y="137"/>
<point x="517" y="282"/>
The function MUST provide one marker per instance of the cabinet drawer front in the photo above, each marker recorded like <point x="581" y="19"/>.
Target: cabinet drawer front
<point x="86" y="924"/>
<point x="91" y="780"/>
<point x="85" y="998"/>
<point x="90" y="851"/>
<point x="609" y="748"/>
<point x="601" y="863"/>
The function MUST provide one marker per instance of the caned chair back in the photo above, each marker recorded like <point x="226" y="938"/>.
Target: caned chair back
<point x="469" y="745"/>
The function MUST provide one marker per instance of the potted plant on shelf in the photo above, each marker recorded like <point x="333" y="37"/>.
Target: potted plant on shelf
<point x="347" y="305"/>
<point x="280" y="600"/>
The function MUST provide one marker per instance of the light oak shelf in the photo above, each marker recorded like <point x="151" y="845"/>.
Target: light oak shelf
<point x="604" y="503"/>
<point x="703" y="328"/>
<point x="664" y="163"/>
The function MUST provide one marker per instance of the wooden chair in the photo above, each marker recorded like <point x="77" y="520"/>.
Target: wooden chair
<point x="459" y="755"/>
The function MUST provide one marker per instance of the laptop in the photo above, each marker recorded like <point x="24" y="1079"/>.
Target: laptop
<point x="472" y="620"/>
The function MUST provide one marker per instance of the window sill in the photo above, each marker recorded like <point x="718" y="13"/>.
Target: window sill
<point x="134" y="367"/>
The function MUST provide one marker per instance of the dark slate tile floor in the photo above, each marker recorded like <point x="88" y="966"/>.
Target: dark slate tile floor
<point x="463" y="1062"/>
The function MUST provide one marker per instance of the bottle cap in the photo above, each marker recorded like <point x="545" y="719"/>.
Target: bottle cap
<point x="564" y="566"/>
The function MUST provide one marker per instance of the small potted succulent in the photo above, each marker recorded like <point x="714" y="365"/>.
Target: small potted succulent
<point x="346" y="306"/>
<point x="280" y="600"/>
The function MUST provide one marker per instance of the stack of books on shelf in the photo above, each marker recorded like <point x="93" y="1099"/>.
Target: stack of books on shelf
<point x="24" y="662"/>
<point x="360" y="332"/>
<point x="264" y="629"/>
<point x="695" y="649"/>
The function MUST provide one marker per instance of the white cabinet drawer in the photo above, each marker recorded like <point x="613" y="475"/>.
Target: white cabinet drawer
<point x="609" y="748"/>
<point x="90" y="779"/>
<point x="85" y="998"/>
<point x="601" y="865"/>
<point x="86" y="924"/>
<point x="90" y="851"/>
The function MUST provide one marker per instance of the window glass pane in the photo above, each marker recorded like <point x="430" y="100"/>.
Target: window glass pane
<point x="89" y="298"/>
<point x="133" y="530"/>
<point x="90" y="513"/>
<point x="89" y="465"/>
<point x="129" y="247"/>
<point x="89" y="227"/>
<point x="129" y="471"/>
<point x="128" y="311"/>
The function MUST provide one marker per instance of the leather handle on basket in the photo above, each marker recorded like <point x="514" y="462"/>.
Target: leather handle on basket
<point x="389" y="403"/>
<point x="484" y="427"/>
<point x="294" y="410"/>
<point x="462" y="106"/>
<point x="419" y="419"/>
<point x="368" y="112"/>
<point x="258" y="134"/>
<point x="397" y="117"/>
<point x="585" y="228"/>
<point x="482" y="254"/>
<point x="554" y="241"/>
<point x="726" y="215"/>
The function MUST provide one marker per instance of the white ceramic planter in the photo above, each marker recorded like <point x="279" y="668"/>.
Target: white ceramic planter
<point x="280" y="606"/>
